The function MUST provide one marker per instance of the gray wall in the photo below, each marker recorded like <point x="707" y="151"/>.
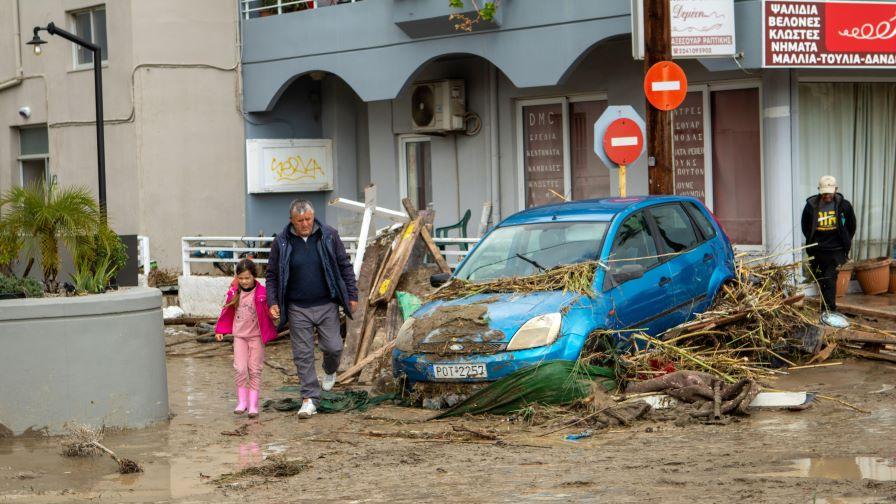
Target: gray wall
<point x="98" y="360"/>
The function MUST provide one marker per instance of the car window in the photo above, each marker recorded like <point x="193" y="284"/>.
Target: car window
<point x="701" y="220"/>
<point x="675" y="228"/>
<point x="634" y="245"/>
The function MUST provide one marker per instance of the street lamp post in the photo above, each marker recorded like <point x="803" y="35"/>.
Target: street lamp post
<point x="37" y="42"/>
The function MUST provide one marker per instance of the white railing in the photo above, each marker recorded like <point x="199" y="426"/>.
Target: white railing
<point x="260" y="8"/>
<point x="231" y="249"/>
<point x="144" y="262"/>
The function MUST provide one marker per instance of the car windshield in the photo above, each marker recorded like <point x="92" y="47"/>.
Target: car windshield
<point x="528" y="249"/>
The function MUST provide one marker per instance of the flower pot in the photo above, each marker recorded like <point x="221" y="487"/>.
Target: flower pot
<point x="874" y="275"/>
<point x="892" y="289"/>
<point x="844" y="275"/>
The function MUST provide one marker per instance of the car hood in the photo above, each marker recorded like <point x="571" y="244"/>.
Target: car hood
<point x="481" y="323"/>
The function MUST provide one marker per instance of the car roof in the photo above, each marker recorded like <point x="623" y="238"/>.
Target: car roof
<point x="603" y="209"/>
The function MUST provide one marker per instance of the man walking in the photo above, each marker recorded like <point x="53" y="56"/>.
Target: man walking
<point x="829" y="224"/>
<point x="309" y="276"/>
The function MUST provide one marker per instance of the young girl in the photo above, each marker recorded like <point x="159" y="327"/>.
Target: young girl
<point x="245" y="315"/>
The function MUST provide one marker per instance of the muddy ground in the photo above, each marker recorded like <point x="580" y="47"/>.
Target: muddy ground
<point x="829" y="453"/>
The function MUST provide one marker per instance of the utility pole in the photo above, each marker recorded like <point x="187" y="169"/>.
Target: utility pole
<point x="658" y="47"/>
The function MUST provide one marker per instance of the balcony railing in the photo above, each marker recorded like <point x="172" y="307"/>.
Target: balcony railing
<point x="261" y="8"/>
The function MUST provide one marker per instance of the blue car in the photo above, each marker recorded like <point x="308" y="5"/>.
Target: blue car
<point x="661" y="259"/>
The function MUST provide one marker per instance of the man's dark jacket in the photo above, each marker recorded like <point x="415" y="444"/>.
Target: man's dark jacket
<point x="338" y="269"/>
<point x="846" y="220"/>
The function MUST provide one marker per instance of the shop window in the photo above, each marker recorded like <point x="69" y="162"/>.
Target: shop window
<point x="417" y="153"/>
<point x="848" y="130"/>
<point x="558" y="159"/>
<point x="34" y="157"/>
<point x="725" y="122"/>
<point x="90" y="25"/>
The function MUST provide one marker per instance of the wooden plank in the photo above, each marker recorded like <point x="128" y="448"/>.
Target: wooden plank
<point x="355" y="330"/>
<point x="862" y="337"/>
<point x="350" y="373"/>
<point x="883" y="356"/>
<point x="434" y="251"/>
<point x="357" y="206"/>
<point x="393" y="320"/>
<point x="392" y="271"/>
<point x="409" y="207"/>
<point x="367" y="337"/>
<point x="865" y="311"/>
<point x="366" y="221"/>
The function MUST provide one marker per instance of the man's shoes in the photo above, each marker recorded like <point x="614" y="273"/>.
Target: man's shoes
<point x="307" y="409"/>
<point x="328" y="381"/>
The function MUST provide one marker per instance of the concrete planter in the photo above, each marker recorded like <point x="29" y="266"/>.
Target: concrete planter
<point x="97" y="359"/>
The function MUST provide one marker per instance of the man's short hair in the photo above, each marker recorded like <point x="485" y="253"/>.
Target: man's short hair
<point x="300" y="206"/>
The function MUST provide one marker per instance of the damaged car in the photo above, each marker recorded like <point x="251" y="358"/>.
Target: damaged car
<point x="657" y="261"/>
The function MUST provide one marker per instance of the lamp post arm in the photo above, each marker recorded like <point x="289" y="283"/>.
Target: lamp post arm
<point x="52" y="29"/>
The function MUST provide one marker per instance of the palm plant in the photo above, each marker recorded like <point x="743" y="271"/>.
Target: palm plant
<point x="43" y="216"/>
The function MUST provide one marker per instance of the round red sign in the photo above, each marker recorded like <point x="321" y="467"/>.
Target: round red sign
<point x="623" y="141"/>
<point x="665" y="85"/>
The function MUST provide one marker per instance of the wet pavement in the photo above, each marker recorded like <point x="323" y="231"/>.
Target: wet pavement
<point x="829" y="453"/>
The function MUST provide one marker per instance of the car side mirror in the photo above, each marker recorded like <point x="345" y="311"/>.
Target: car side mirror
<point x="627" y="272"/>
<point x="439" y="279"/>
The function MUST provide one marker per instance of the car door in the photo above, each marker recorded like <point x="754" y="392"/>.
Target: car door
<point x="690" y="259"/>
<point x="642" y="301"/>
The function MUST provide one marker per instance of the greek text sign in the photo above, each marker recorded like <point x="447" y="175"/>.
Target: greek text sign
<point x="822" y="34"/>
<point x="289" y="165"/>
<point x="702" y="28"/>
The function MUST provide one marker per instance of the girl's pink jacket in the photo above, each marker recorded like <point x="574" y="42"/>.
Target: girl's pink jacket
<point x="225" y="321"/>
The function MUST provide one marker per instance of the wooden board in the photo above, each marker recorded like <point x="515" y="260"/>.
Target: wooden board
<point x="350" y="373"/>
<point x="434" y="251"/>
<point x="850" y="335"/>
<point x="884" y="356"/>
<point x="355" y="330"/>
<point x="369" y="331"/>
<point x="384" y="288"/>
<point x="393" y="320"/>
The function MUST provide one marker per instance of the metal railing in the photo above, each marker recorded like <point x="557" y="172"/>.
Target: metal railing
<point x="261" y="8"/>
<point x="228" y="250"/>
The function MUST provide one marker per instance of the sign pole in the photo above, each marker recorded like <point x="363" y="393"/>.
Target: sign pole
<point x="658" y="47"/>
<point x="621" y="181"/>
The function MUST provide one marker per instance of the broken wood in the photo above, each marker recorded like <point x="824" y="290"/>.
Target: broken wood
<point x="477" y="433"/>
<point x="409" y="207"/>
<point x="190" y="321"/>
<point x="882" y="356"/>
<point x="350" y="373"/>
<point x="810" y="366"/>
<point x="356" y="325"/>
<point x="392" y="270"/>
<point x="855" y="309"/>
<point x="825" y="354"/>
<point x="392" y="215"/>
<point x="393" y="320"/>
<point x="366" y="225"/>
<point x="367" y="336"/>
<point x="862" y="337"/>
<point x="434" y="251"/>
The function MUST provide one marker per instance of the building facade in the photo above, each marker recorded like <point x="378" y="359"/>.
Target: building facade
<point x="173" y="126"/>
<point x="750" y="141"/>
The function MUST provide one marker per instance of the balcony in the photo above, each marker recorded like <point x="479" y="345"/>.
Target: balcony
<point x="251" y="9"/>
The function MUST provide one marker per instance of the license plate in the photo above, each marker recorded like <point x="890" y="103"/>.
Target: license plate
<point x="458" y="371"/>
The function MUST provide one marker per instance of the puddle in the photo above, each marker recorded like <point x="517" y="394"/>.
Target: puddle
<point x="842" y="468"/>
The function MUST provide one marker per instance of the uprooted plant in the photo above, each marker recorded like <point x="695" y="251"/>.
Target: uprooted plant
<point x="84" y="441"/>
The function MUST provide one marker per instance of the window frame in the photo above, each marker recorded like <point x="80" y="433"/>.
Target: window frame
<point x="609" y="283"/>
<point x="707" y="88"/>
<point x="32" y="157"/>
<point x="403" y="141"/>
<point x="564" y="101"/>
<point x="661" y="245"/>
<point x="72" y="23"/>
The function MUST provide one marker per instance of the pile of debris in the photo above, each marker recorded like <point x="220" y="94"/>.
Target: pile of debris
<point x="756" y="325"/>
<point x="397" y="260"/>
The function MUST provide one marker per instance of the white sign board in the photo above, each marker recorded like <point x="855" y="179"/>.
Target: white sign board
<point x="700" y="28"/>
<point x="289" y="165"/>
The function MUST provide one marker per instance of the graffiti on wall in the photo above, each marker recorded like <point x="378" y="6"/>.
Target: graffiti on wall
<point x="289" y="165"/>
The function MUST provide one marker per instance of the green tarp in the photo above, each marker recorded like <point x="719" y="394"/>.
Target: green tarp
<point x="551" y="382"/>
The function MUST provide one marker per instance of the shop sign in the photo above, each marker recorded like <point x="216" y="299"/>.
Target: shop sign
<point x="543" y="153"/>
<point x="688" y="154"/>
<point x="700" y="28"/>
<point x="821" y="34"/>
<point x="289" y="165"/>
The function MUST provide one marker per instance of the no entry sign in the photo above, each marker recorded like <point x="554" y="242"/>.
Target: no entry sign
<point x="623" y="141"/>
<point x="665" y="85"/>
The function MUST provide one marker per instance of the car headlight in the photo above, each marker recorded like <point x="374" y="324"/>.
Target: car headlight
<point x="538" y="331"/>
<point x="404" y="342"/>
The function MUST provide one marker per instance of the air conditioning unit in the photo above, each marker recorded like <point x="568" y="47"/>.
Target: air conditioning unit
<point x="438" y="105"/>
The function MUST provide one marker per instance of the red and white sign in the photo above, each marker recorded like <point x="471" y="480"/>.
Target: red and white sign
<point x="822" y="34"/>
<point x="623" y="141"/>
<point x="665" y="85"/>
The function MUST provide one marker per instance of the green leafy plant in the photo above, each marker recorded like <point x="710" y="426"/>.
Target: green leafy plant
<point x="10" y="246"/>
<point x="98" y="258"/>
<point x="27" y="286"/>
<point x="486" y="13"/>
<point x="45" y="216"/>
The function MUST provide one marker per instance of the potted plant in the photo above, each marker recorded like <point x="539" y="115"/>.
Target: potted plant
<point x="44" y="216"/>
<point x="844" y="275"/>
<point x="874" y="275"/>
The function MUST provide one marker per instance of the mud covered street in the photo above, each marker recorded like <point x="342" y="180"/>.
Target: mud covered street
<point x="828" y="453"/>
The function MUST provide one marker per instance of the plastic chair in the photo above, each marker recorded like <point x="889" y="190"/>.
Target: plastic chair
<point x="461" y="226"/>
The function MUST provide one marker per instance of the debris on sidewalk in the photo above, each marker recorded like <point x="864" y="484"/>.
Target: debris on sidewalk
<point x="275" y="466"/>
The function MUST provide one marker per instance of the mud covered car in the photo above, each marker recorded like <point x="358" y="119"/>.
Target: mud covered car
<point x="658" y="261"/>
